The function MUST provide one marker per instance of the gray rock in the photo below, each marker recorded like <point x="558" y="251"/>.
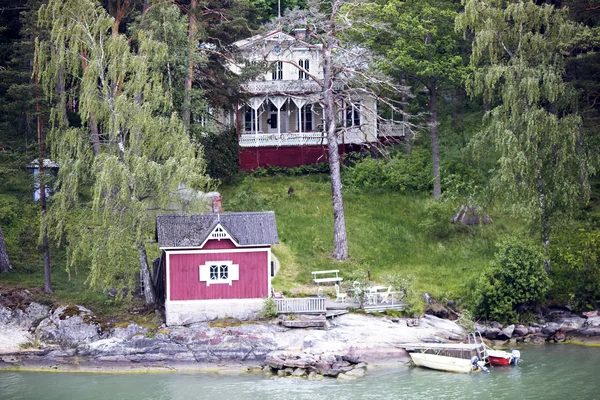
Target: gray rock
<point x="356" y="372"/>
<point x="550" y="328"/>
<point x="496" y="325"/>
<point x="299" y="372"/>
<point x="492" y="333"/>
<point x="345" y="377"/>
<point x="127" y="333"/>
<point x="506" y="333"/>
<point x="571" y="324"/>
<point x="69" y="326"/>
<point x="520" y="330"/>
<point x="592" y="322"/>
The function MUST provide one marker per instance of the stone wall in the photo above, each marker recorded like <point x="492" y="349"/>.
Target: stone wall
<point x="192" y="311"/>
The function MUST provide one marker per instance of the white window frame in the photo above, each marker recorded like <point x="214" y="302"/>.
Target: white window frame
<point x="303" y="63"/>
<point x="277" y="71"/>
<point x="219" y="272"/>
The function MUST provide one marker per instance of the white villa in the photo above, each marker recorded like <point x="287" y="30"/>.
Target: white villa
<point x="281" y="124"/>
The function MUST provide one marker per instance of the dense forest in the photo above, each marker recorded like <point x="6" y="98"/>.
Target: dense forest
<point x="502" y="97"/>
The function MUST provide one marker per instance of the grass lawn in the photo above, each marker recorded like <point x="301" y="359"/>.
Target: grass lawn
<point x="383" y="233"/>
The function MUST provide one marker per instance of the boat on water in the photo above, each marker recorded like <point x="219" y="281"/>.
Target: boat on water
<point x="446" y="363"/>
<point x="501" y="357"/>
<point x="451" y="357"/>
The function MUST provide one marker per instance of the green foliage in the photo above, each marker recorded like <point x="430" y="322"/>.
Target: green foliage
<point x="319" y="168"/>
<point x="406" y="284"/>
<point x="403" y="172"/>
<point x="20" y="224"/>
<point x="221" y="154"/>
<point x="515" y="280"/>
<point x="517" y="66"/>
<point x="145" y="153"/>
<point x="269" y="309"/>
<point x="576" y="274"/>
<point x="247" y="198"/>
<point x="436" y="219"/>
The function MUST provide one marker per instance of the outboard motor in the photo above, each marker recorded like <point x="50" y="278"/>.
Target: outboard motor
<point x="516" y="355"/>
<point x="478" y="364"/>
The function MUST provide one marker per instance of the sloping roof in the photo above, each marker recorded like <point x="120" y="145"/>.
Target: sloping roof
<point x="246" y="228"/>
<point x="275" y="34"/>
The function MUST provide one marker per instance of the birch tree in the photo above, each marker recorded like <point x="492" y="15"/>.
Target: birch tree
<point x="144" y="152"/>
<point x="533" y="123"/>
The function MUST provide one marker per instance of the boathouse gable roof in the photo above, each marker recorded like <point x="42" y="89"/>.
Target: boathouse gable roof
<point x="245" y="229"/>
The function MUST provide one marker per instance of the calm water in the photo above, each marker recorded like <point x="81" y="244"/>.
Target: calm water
<point x="547" y="372"/>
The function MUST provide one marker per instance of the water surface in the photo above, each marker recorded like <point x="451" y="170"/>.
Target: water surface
<point x="546" y="372"/>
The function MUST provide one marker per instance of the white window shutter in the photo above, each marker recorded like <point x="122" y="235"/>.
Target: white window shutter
<point x="234" y="273"/>
<point x="205" y="274"/>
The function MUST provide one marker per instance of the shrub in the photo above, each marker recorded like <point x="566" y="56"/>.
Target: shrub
<point x="403" y="172"/>
<point x="247" y="198"/>
<point x="221" y="154"/>
<point x="576" y="271"/>
<point x="269" y="309"/>
<point x="406" y="284"/>
<point x="435" y="221"/>
<point x="515" y="280"/>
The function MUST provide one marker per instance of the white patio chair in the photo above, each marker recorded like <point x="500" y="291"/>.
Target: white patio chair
<point x="385" y="296"/>
<point x="339" y="295"/>
<point x="372" y="296"/>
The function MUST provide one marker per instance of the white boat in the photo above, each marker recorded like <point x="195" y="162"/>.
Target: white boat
<point x="452" y="357"/>
<point x="442" y="363"/>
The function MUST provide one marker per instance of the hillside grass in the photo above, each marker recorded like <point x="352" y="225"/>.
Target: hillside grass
<point x="384" y="236"/>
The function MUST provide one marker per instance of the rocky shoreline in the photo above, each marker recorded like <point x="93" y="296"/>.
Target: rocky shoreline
<point x="72" y="338"/>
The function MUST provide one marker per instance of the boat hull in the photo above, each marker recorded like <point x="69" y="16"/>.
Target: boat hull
<point x="442" y="363"/>
<point x="499" y="357"/>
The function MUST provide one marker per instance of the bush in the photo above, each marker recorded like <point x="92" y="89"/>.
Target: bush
<point x="403" y="172"/>
<point x="435" y="221"/>
<point x="515" y="281"/>
<point x="247" y="198"/>
<point x="269" y="309"/>
<point x="221" y="154"/>
<point x="406" y="284"/>
<point x="576" y="271"/>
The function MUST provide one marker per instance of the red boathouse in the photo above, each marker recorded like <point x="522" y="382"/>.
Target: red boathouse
<point x="216" y="265"/>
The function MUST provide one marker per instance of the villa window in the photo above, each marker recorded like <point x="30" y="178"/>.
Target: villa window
<point x="306" y="118"/>
<point x="250" y="123"/>
<point x="277" y="71"/>
<point x="219" y="272"/>
<point x="306" y="65"/>
<point x="352" y="115"/>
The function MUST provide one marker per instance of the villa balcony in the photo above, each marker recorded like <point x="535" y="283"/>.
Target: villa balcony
<point x="297" y="139"/>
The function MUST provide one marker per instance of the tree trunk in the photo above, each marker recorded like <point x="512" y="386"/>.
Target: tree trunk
<point x="435" y="145"/>
<point x="45" y="246"/>
<point x="340" y="240"/>
<point x="187" y="87"/>
<point x="5" y="264"/>
<point x="149" y="292"/>
<point x="405" y="118"/>
<point x="545" y="221"/>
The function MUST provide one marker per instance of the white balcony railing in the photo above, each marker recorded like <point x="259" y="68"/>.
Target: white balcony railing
<point x="282" y="139"/>
<point x="288" y="87"/>
<point x="261" y="139"/>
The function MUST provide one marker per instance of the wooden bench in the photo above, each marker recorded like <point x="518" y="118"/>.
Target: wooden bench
<point x="326" y="279"/>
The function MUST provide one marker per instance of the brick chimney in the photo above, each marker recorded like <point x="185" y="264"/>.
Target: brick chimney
<point x="216" y="204"/>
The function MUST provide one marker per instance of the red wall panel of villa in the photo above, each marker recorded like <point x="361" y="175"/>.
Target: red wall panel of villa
<point x="185" y="284"/>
